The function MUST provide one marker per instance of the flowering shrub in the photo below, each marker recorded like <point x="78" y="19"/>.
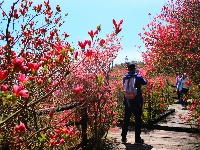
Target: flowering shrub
<point x="117" y="88"/>
<point x="193" y="99"/>
<point x="172" y="39"/>
<point x="89" y="84"/>
<point x="40" y="70"/>
<point x="157" y="96"/>
<point x="172" y="43"/>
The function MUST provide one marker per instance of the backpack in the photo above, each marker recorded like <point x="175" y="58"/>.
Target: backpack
<point x="129" y="88"/>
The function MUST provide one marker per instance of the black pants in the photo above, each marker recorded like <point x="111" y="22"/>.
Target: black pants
<point x="183" y="93"/>
<point x="134" y="107"/>
<point x="178" y="93"/>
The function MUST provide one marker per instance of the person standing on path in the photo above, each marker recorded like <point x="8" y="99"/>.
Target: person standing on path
<point x="178" y="77"/>
<point x="133" y="106"/>
<point x="179" y="86"/>
<point x="183" y="87"/>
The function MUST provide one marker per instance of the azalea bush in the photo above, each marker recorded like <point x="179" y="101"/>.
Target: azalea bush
<point x="193" y="100"/>
<point x="172" y="43"/>
<point x="90" y="82"/>
<point x="32" y="56"/>
<point x="172" y="39"/>
<point x="41" y="74"/>
<point x="117" y="89"/>
<point x="157" y="96"/>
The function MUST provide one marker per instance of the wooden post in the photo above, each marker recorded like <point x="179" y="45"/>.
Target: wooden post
<point x="84" y="128"/>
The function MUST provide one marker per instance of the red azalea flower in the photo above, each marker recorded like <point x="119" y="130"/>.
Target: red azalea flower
<point x="82" y="44"/>
<point x="3" y="74"/>
<point x="62" y="141"/>
<point x="88" y="53"/>
<point x="102" y="42"/>
<point x="58" y="8"/>
<point x="18" y="61"/>
<point x="53" y="142"/>
<point x="43" y="30"/>
<point x="15" y="15"/>
<point x="33" y="66"/>
<point x="75" y="54"/>
<point x="17" y="88"/>
<point x="51" y="113"/>
<point x="117" y="26"/>
<point x="88" y="42"/>
<point x="92" y="33"/>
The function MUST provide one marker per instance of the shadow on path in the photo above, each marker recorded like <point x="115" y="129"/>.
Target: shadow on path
<point x="130" y="146"/>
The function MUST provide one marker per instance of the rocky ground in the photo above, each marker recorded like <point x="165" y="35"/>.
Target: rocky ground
<point x="167" y="136"/>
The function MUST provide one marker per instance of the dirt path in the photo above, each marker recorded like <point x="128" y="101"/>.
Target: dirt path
<point x="161" y="139"/>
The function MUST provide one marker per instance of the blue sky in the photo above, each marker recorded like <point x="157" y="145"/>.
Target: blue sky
<point x="84" y="15"/>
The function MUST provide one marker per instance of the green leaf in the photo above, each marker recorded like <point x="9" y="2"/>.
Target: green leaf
<point x="8" y="96"/>
<point x="71" y="49"/>
<point x="2" y="93"/>
<point x="4" y="102"/>
<point x="100" y="79"/>
<point x="63" y="52"/>
<point x="44" y="68"/>
<point x="43" y="136"/>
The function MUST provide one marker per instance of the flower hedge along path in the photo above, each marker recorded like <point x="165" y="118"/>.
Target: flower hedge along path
<point x="172" y="133"/>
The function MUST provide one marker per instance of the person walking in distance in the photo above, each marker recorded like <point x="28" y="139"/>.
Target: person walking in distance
<point x="133" y="102"/>
<point x="185" y="88"/>
<point x="179" y="86"/>
<point x="178" y="78"/>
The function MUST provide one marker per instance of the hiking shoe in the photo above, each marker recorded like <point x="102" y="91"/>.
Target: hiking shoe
<point x="141" y="141"/>
<point x="184" y="108"/>
<point x="124" y="140"/>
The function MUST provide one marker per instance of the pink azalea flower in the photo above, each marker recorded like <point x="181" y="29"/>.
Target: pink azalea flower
<point x="24" y="93"/>
<point x="78" y="89"/>
<point x="21" y="128"/>
<point x="53" y="142"/>
<point x="18" y="90"/>
<point x="4" y="87"/>
<point x="22" y="78"/>
<point x="62" y="141"/>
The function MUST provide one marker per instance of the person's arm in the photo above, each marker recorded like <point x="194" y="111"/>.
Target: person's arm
<point x="143" y="81"/>
<point x="178" y="84"/>
<point x="123" y="81"/>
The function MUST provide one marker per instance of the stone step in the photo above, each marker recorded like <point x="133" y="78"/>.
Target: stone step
<point x="173" y="120"/>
